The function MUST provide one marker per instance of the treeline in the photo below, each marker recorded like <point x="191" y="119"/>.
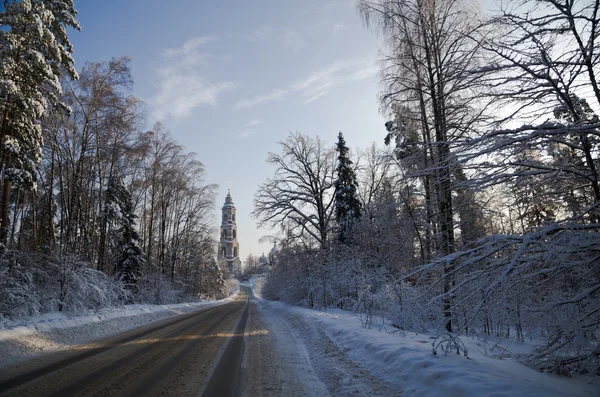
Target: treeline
<point x="482" y="216"/>
<point x="95" y="211"/>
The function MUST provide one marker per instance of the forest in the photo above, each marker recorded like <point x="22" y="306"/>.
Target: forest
<point x="96" y="212"/>
<point x="480" y="216"/>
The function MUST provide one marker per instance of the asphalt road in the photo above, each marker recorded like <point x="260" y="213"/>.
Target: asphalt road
<point x="193" y="354"/>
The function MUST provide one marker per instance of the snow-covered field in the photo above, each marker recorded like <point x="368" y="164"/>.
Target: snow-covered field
<point x="21" y="340"/>
<point x="407" y="361"/>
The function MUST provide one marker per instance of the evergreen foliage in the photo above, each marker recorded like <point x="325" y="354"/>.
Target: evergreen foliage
<point x="119" y="209"/>
<point x="34" y="52"/>
<point x="347" y="205"/>
<point x="466" y="225"/>
<point x="472" y="226"/>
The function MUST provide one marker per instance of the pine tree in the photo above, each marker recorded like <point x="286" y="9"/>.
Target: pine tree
<point x="34" y="52"/>
<point x="119" y="210"/>
<point x="347" y="205"/>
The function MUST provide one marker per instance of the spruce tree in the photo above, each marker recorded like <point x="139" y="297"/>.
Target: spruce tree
<point x="34" y="53"/>
<point x="347" y="206"/>
<point x="119" y="211"/>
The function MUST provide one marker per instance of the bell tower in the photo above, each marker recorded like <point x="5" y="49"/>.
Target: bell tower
<point x="228" y="254"/>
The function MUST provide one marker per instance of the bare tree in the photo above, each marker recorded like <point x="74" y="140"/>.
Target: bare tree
<point x="428" y="71"/>
<point x="374" y="167"/>
<point x="300" y="194"/>
<point x="544" y="69"/>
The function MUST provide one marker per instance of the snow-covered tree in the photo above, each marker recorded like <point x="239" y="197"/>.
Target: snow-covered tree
<point x="119" y="210"/>
<point x="215" y="282"/>
<point x="347" y="205"/>
<point x="34" y="53"/>
<point x="544" y="69"/>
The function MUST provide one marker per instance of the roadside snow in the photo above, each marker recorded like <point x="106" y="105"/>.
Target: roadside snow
<point x="408" y="365"/>
<point x="310" y="363"/>
<point x="21" y="340"/>
<point x="256" y="283"/>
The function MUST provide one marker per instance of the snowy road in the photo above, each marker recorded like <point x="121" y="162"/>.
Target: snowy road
<point x="171" y="357"/>
<point x="179" y="356"/>
<point x="236" y="349"/>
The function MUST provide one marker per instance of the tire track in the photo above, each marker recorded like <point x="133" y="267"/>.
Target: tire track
<point x="145" y="357"/>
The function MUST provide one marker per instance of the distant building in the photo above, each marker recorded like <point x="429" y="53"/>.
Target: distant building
<point x="273" y="254"/>
<point x="263" y="264"/>
<point x="229" y="248"/>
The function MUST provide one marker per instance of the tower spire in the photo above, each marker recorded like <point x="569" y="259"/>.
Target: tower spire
<point x="228" y="250"/>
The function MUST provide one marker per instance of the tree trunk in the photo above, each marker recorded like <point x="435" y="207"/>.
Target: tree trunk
<point x="4" y="212"/>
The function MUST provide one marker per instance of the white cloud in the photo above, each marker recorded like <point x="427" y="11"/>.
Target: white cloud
<point x="364" y="72"/>
<point x="315" y="97"/>
<point x="247" y="130"/>
<point x="338" y="73"/>
<point x="318" y="83"/>
<point x="276" y="95"/>
<point x="260" y="33"/>
<point x="252" y="123"/>
<point x="182" y="84"/>
<point x="246" y="134"/>
<point x="339" y="27"/>
<point x="190" y="46"/>
<point x="294" y="40"/>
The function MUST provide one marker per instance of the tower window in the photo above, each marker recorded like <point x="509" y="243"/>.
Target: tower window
<point x="234" y="233"/>
<point x="235" y="251"/>
<point x="224" y="217"/>
<point x="233" y="217"/>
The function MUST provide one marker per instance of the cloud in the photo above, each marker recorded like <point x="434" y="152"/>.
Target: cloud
<point x="294" y="40"/>
<point x="246" y="134"/>
<point x="275" y="95"/>
<point x="251" y="123"/>
<point x="247" y="130"/>
<point x="259" y="33"/>
<point x="315" y="97"/>
<point x="318" y="83"/>
<point x="337" y="74"/>
<point x="339" y="27"/>
<point x="364" y="72"/>
<point x="182" y="83"/>
<point x="189" y="47"/>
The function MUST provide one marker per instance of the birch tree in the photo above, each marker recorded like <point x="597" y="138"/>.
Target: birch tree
<point x="544" y="69"/>
<point x="428" y="71"/>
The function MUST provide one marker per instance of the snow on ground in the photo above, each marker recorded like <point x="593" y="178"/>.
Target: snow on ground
<point x="21" y="340"/>
<point x="408" y="364"/>
<point x="348" y="359"/>
<point x="311" y="363"/>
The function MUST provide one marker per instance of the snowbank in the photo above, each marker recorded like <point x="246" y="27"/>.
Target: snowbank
<point x="21" y="340"/>
<point x="255" y="283"/>
<point x="407" y="362"/>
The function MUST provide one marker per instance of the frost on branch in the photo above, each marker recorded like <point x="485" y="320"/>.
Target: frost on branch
<point x="32" y="284"/>
<point x="543" y="283"/>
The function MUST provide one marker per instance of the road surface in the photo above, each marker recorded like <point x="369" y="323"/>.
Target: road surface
<point x="236" y="349"/>
<point x="189" y="355"/>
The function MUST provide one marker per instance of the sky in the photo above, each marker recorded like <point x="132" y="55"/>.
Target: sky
<point x="231" y="78"/>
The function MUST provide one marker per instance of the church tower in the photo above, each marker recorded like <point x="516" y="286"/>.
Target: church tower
<point x="229" y="248"/>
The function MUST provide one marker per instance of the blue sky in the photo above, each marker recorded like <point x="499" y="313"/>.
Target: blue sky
<point x="229" y="79"/>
